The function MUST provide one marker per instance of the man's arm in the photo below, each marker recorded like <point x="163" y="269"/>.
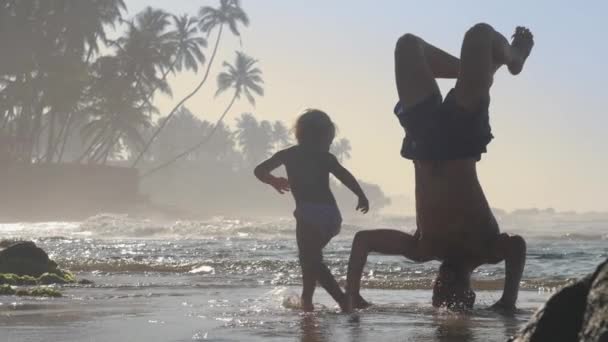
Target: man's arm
<point x="263" y="173"/>
<point x="350" y="182"/>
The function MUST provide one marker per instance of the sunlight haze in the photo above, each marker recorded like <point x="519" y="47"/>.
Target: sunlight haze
<point x="549" y="148"/>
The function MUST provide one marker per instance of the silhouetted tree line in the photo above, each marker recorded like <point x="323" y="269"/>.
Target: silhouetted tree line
<point x="217" y="178"/>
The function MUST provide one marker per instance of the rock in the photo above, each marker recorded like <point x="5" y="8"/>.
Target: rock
<point x="577" y="312"/>
<point x="25" y="258"/>
<point x="595" y="324"/>
<point x="52" y="278"/>
<point x="23" y="263"/>
<point x="39" y="292"/>
<point x="85" y="282"/>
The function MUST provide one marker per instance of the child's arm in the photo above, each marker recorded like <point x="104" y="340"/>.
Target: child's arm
<point x="350" y="182"/>
<point x="263" y="173"/>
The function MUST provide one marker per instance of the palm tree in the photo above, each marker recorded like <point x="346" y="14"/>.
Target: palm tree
<point x="244" y="78"/>
<point x="341" y="149"/>
<point x="147" y="48"/>
<point x="229" y="13"/>
<point x="41" y="36"/>
<point x="187" y="44"/>
<point x="280" y="135"/>
<point x="142" y="52"/>
<point x="172" y="51"/>
<point x="255" y="138"/>
<point x="115" y="109"/>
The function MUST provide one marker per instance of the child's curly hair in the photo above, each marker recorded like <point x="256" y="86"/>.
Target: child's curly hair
<point x="314" y="128"/>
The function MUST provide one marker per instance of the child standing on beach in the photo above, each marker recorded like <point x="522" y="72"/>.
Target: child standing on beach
<point x="318" y="218"/>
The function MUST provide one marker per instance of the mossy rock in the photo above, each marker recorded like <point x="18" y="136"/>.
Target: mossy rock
<point x="25" y="258"/>
<point x="23" y="263"/>
<point x="52" y="278"/>
<point x="39" y="292"/>
<point x="6" y="290"/>
<point x="13" y="279"/>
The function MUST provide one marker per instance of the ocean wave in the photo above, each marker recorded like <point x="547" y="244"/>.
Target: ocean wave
<point x="108" y="226"/>
<point x="540" y="284"/>
<point x="287" y="273"/>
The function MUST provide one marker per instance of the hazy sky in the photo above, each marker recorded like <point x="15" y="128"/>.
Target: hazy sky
<point x="549" y="123"/>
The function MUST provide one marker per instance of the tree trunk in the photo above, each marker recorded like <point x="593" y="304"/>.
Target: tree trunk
<point x="66" y="137"/>
<point x="174" y="110"/>
<point x="94" y="142"/>
<point x="195" y="147"/>
<point x="50" y="139"/>
<point x="103" y="146"/>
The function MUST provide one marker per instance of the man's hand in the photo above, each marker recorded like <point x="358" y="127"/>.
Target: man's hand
<point x="280" y="184"/>
<point x="363" y="204"/>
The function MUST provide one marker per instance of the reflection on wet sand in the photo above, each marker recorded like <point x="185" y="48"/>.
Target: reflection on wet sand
<point x="311" y="330"/>
<point x="455" y="328"/>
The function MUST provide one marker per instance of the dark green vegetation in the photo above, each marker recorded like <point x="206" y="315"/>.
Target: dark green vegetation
<point x="8" y="290"/>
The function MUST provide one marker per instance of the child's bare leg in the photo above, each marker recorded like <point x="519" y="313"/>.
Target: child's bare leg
<point x="329" y="283"/>
<point x="417" y="65"/>
<point x="484" y="51"/>
<point x="309" y="279"/>
<point x="384" y="241"/>
<point x="511" y="249"/>
<point x="310" y="260"/>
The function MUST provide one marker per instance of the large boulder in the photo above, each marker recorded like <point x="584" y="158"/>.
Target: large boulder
<point x="25" y="258"/>
<point x="578" y="312"/>
<point x="595" y="324"/>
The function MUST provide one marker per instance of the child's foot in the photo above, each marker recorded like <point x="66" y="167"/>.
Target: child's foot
<point x="361" y="303"/>
<point x="354" y="302"/>
<point x="307" y="306"/>
<point x="522" y="44"/>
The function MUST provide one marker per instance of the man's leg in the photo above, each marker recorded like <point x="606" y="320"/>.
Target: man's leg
<point x="484" y="51"/>
<point x="417" y="65"/>
<point x="384" y="241"/>
<point x="511" y="249"/>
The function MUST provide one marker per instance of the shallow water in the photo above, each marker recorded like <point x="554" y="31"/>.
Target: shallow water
<point x="233" y="280"/>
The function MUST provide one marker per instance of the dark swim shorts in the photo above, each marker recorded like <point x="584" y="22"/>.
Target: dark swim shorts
<point x="442" y="130"/>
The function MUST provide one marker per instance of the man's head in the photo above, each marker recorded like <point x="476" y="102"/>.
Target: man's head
<point x="452" y="288"/>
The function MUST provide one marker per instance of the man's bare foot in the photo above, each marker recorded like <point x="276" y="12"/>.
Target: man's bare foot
<point x="502" y="307"/>
<point x="522" y="44"/>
